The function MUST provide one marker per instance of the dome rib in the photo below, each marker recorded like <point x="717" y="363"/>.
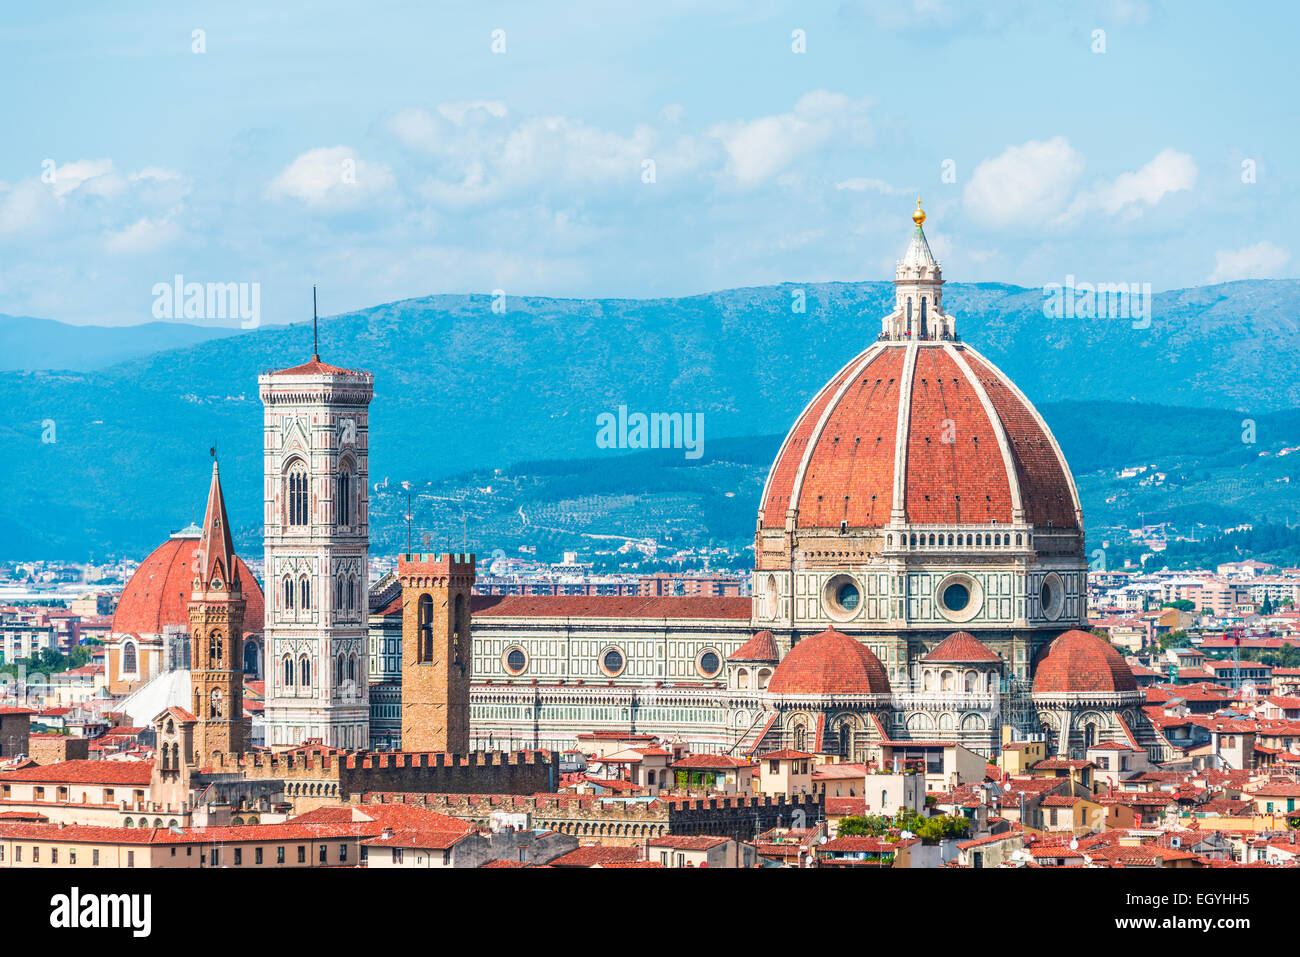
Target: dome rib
<point x="866" y="360"/>
<point x="999" y="430"/>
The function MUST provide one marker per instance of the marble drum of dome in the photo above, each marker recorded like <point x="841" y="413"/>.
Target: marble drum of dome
<point x="918" y="490"/>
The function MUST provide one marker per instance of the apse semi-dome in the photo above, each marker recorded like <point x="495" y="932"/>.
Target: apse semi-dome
<point x="827" y="664"/>
<point x="1081" y="662"/>
<point x="961" y="647"/>
<point x="159" y="591"/>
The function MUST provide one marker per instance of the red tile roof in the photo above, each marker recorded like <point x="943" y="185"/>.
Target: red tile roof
<point x="827" y="664"/>
<point x="684" y="842"/>
<point x="610" y="606"/>
<point x="843" y="446"/>
<point x="315" y="367"/>
<point x="762" y="647"/>
<point x="961" y="646"/>
<point x="709" y="762"/>
<point x="1080" y="661"/>
<point x="592" y="855"/>
<point x="81" y="771"/>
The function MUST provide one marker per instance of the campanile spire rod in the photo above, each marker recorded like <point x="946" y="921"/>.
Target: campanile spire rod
<point x="315" y="341"/>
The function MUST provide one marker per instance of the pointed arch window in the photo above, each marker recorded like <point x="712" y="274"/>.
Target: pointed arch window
<point x="288" y="593"/>
<point x="296" y="488"/>
<point x="304" y="593"/>
<point x="304" y="671"/>
<point x="288" y="672"/>
<point x="346" y="492"/>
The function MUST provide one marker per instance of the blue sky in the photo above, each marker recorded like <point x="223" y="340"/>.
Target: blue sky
<point x="385" y="151"/>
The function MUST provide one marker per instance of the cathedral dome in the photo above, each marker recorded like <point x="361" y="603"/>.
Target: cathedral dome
<point x="1079" y="661"/>
<point x="966" y="448"/>
<point x="159" y="591"/>
<point x="829" y="663"/>
<point x="919" y="429"/>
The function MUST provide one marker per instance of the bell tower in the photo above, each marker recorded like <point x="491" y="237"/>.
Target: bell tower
<point x="217" y="635"/>
<point x="436" y="652"/>
<point x="317" y="539"/>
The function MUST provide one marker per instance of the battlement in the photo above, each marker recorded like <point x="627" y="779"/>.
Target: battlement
<point x="316" y="777"/>
<point x="452" y="562"/>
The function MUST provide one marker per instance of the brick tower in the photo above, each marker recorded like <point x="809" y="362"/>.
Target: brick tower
<point x="436" y="652"/>
<point x="217" y="632"/>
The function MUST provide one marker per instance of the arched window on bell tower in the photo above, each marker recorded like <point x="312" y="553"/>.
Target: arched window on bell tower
<point x="296" y="493"/>
<point x="344" y="506"/>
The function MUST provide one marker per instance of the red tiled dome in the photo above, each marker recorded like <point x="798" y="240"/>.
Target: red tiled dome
<point x="830" y="663"/>
<point x="961" y="646"/>
<point x="1079" y="661"/>
<point x="762" y="647"/>
<point x="838" y="462"/>
<point x="158" y="594"/>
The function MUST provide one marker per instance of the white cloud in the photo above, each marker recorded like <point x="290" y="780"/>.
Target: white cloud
<point x="96" y="175"/>
<point x="470" y="110"/>
<point x="24" y="207"/>
<point x="1168" y="172"/>
<point x="332" y="176"/>
<point x="143" y="235"/>
<point x="759" y="149"/>
<point x="860" y="184"/>
<point x="1026" y="184"/>
<point x="1260" y="261"/>
<point x="155" y="174"/>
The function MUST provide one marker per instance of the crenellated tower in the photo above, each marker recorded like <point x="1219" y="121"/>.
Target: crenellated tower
<point x="436" y="651"/>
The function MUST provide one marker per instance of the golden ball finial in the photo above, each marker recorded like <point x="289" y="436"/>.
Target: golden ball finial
<point x="918" y="214"/>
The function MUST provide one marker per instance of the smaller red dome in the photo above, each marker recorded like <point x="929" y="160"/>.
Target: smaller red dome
<point x="762" y="647"/>
<point x="159" y="591"/>
<point x="830" y="663"/>
<point x="961" y="647"/>
<point x="1079" y="661"/>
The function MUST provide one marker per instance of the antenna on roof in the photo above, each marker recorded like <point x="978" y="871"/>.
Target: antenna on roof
<point x="315" y="342"/>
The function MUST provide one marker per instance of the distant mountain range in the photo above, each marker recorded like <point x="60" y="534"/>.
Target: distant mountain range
<point x="28" y="344"/>
<point x="461" y="389"/>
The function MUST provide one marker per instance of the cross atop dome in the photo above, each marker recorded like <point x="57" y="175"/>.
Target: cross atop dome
<point x="918" y="299"/>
